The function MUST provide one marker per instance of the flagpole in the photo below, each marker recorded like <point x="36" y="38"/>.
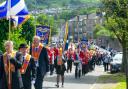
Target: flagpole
<point x="35" y="15"/>
<point x="9" y="16"/>
<point x="9" y="27"/>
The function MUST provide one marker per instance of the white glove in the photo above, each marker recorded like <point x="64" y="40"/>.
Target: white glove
<point x="33" y="81"/>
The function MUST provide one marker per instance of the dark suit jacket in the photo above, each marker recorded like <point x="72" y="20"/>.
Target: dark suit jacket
<point x="29" y="74"/>
<point x="16" y="82"/>
<point x="43" y="61"/>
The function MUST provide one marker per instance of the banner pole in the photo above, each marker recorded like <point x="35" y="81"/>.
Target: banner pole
<point x="35" y="16"/>
<point x="9" y="16"/>
<point x="49" y="35"/>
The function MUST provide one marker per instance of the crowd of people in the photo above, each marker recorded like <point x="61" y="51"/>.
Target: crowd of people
<point x="29" y="65"/>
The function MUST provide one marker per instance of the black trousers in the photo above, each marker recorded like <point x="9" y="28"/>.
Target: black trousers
<point x="85" y="69"/>
<point x="26" y="82"/>
<point x="39" y="80"/>
<point x="69" y="65"/>
<point x="51" y="69"/>
<point x="106" y="66"/>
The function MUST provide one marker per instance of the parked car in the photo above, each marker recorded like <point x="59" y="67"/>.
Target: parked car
<point x="115" y="64"/>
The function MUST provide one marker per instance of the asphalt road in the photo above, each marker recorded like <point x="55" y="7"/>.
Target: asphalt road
<point x="85" y="82"/>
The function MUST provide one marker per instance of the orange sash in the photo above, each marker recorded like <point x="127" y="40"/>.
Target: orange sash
<point x="9" y="68"/>
<point x="25" y="64"/>
<point x="59" y="61"/>
<point x="36" y="54"/>
<point x="6" y="63"/>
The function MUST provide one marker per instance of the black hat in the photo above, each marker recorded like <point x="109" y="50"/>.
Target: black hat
<point x="23" y="45"/>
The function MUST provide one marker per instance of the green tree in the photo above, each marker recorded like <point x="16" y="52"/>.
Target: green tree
<point x="28" y="30"/>
<point x="102" y="31"/>
<point x="117" y="21"/>
<point x="16" y="37"/>
<point x="4" y="24"/>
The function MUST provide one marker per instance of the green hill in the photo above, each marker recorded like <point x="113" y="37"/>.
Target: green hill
<point x="41" y="4"/>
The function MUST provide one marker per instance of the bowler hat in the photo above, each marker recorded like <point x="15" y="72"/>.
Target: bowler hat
<point x="23" y="45"/>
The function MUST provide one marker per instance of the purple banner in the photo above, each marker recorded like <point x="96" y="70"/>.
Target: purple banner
<point x="43" y="33"/>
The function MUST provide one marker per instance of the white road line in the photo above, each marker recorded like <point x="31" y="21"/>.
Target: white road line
<point x="93" y="85"/>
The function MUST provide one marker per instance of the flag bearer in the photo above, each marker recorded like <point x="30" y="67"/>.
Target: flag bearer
<point x="10" y="65"/>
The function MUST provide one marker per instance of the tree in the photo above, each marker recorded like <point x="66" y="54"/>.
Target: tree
<point x="102" y="31"/>
<point x="117" y="21"/>
<point x="28" y="30"/>
<point x="4" y="24"/>
<point x="15" y="35"/>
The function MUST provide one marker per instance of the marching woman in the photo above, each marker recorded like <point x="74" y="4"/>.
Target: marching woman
<point x="70" y="60"/>
<point x="51" y="60"/>
<point x="60" y="68"/>
<point x="84" y="55"/>
<point x="10" y="65"/>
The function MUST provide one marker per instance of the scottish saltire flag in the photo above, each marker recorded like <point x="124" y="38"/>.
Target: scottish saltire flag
<point x="18" y="8"/>
<point x="13" y="8"/>
<point x="3" y="9"/>
<point x="19" y="20"/>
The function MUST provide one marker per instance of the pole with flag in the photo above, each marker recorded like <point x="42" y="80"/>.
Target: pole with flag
<point x="49" y="36"/>
<point x="66" y="36"/>
<point x="9" y="9"/>
<point x="9" y="16"/>
<point x="12" y="9"/>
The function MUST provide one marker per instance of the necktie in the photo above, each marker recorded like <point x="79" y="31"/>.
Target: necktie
<point x="36" y="49"/>
<point x="23" y="59"/>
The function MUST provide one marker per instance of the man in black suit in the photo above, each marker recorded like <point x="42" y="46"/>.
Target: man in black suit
<point x="10" y="65"/>
<point x="28" y="70"/>
<point x="39" y="53"/>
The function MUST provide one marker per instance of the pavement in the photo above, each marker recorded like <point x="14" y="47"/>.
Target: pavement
<point x="85" y="82"/>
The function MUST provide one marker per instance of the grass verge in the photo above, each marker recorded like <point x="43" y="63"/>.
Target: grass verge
<point x="113" y="81"/>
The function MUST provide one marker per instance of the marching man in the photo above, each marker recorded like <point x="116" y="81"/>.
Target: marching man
<point x="39" y="52"/>
<point x="28" y="70"/>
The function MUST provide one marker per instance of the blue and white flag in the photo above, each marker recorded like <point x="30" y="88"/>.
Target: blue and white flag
<point x="19" y="20"/>
<point x="13" y="8"/>
<point x="3" y="9"/>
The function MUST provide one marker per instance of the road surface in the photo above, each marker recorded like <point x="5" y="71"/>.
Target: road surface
<point x="85" y="82"/>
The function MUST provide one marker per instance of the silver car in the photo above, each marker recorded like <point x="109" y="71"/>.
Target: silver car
<point x="115" y="64"/>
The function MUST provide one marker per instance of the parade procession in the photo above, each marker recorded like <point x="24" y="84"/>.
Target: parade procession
<point x="50" y="49"/>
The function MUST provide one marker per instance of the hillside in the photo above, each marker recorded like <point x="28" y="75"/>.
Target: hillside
<point x="41" y="4"/>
